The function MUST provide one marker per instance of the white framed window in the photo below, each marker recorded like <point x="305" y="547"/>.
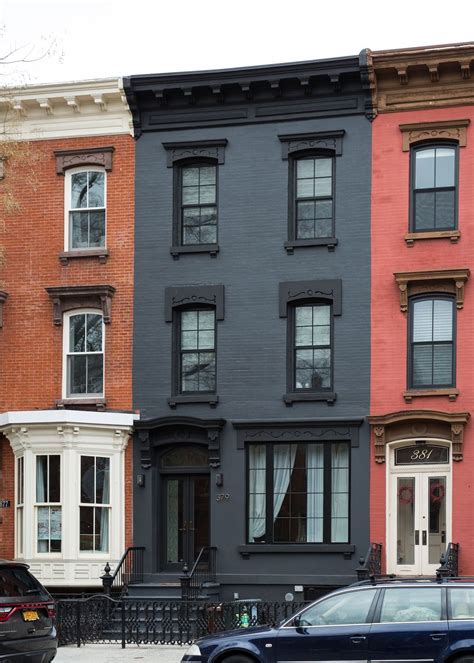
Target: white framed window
<point x="20" y="500"/>
<point x="48" y="504"/>
<point x="83" y="361"/>
<point x="94" y="504"/>
<point x="85" y="208"/>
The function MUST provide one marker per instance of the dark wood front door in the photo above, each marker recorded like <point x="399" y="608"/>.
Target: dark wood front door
<point x="185" y="519"/>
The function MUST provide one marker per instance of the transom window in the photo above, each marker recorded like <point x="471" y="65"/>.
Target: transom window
<point x="432" y="342"/>
<point x="86" y="209"/>
<point x="48" y="503"/>
<point x="198" y="204"/>
<point x="84" y="354"/>
<point x="314" y="197"/>
<point x="197" y="351"/>
<point x="312" y="347"/>
<point x="298" y="493"/>
<point x="434" y="187"/>
<point x="94" y="504"/>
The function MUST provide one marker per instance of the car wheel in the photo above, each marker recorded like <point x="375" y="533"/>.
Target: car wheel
<point x="238" y="658"/>
<point x="469" y="658"/>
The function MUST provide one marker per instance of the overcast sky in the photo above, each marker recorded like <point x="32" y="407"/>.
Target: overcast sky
<point x="102" y="38"/>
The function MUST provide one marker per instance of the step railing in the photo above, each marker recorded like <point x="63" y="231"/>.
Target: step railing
<point x="449" y="562"/>
<point x="203" y="571"/>
<point x="128" y="571"/>
<point x="370" y="566"/>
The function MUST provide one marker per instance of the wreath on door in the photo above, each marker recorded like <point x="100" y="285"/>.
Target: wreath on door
<point x="405" y="495"/>
<point x="437" y="492"/>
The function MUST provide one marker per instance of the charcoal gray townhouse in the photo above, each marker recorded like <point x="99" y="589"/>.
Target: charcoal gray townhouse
<point x="252" y="325"/>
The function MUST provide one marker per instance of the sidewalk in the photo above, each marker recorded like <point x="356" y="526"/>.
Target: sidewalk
<point x="115" y="654"/>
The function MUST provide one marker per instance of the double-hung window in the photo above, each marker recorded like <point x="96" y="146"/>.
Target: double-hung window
<point x="313" y="197"/>
<point x="298" y="493"/>
<point x="95" y="504"/>
<point x="311" y="352"/>
<point x="85" y="209"/>
<point x="84" y="354"/>
<point x="48" y="503"/>
<point x="197" y="351"/>
<point x="198" y="203"/>
<point x="432" y="349"/>
<point x="434" y="179"/>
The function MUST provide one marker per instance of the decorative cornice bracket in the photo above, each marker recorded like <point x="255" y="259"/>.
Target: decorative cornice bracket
<point x="96" y="156"/>
<point x="444" y="130"/>
<point x="195" y="149"/>
<point x="321" y="140"/>
<point x="68" y="298"/>
<point x="443" y="280"/>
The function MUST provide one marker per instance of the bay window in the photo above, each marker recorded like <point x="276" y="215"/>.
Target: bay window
<point x="94" y="507"/>
<point x="48" y="503"/>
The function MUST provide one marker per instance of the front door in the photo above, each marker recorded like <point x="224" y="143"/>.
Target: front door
<point x="418" y="517"/>
<point x="186" y="519"/>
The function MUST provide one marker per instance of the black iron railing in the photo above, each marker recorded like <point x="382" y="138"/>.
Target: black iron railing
<point x="371" y="564"/>
<point x="449" y="562"/>
<point x="128" y="571"/>
<point x="202" y="573"/>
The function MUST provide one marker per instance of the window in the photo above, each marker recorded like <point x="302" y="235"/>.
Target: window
<point x="20" y="500"/>
<point x="94" y="504"/>
<point x="298" y="493"/>
<point x="84" y="354"/>
<point x="411" y="604"/>
<point x="85" y="209"/>
<point x="461" y="602"/>
<point x="197" y="351"/>
<point x="431" y="353"/>
<point x="198" y="204"/>
<point x="350" y="608"/>
<point x="313" y="197"/>
<point x="48" y="503"/>
<point x="434" y="187"/>
<point x="311" y="353"/>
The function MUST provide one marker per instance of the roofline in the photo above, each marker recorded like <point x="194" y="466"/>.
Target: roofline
<point x="412" y="50"/>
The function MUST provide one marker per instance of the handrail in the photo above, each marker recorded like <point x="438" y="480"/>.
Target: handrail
<point x="449" y="562"/>
<point x="203" y="571"/>
<point x="371" y="565"/>
<point x="128" y="571"/>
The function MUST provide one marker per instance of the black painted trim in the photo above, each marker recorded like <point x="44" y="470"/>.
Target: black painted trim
<point x="292" y="144"/>
<point x="322" y="548"/>
<point x="211" y="249"/>
<point x="195" y="149"/>
<point x="197" y="295"/>
<point x="295" y="396"/>
<point x="182" y="399"/>
<point x="298" y="291"/>
<point x="330" y="242"/>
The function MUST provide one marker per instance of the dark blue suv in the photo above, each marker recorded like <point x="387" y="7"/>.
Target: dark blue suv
<point x="391" y="621"/>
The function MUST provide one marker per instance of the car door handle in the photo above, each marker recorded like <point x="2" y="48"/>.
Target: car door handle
<point x="358" y="638"/>
<point x="438" y="636"/>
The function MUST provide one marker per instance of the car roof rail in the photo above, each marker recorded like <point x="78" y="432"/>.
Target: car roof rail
<point x="392" y="578"/>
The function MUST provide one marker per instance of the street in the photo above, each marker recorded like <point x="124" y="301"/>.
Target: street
<point x="114" y="653"/>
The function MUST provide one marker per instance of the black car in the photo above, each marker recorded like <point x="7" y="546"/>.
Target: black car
<point x="381" y="622"/>
<point x="27" y="615"/>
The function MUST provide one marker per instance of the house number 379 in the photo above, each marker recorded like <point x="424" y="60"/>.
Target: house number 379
<point x="222" y="497"/>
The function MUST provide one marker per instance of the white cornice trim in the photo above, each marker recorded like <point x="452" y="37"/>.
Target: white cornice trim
<point x="66" y="110"/>
<point x="67" y="417"/>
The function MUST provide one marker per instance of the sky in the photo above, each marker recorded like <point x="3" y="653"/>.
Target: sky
<point x="89" y="39"/>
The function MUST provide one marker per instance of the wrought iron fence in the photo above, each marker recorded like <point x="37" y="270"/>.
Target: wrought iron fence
<point x="102" y="619"/>
<point x="371" y="565"/>
<point x="449" y="562"/>
<point x="127" y="572"/>
<point x="202" y="573"/>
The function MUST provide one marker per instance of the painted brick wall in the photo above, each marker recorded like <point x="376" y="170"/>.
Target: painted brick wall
<point x="390" y="209"/>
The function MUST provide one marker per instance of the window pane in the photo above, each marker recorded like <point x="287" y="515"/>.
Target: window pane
<point x="54" y="478"/>
<point x="207" y="371"/>
<point x="95" y="374"/>
<point x="77" y="369"/>
<point x="190" y="371"/>
<point x="189" y="340"/>
<point x="411" y="604"/>
<point x="43" y="529"/>
<point x="77" y="333"/>
<point x="208" y="234"/>
<point x="304" y="315"/>
<point x="323" y="209"/>
<point x="94" y="333"/>
<point x="257" y="492"/>
<point x="305" y="210"/>
<point x="424" y="211"/>
<point x="445" y="209"/>
<point x="97" y="229"/>
<point x="323" y="186"/>
<point x="425" y="169"/>
<point x="443" y="364"/>
<point x="340" y="493"/>
<point x="304" y="336"/>
<point x="189" y="320"/>
<point x="461" y="602"/>
<point x="322" y="315"/>
<point x="96" y="189"/>
<point x="102" y="490"/>
<point x="350" y="608"/>
<point x="323" y="228"/>
<point x="78" y="190"/>
<point x="322" y="335"/>
<point x="206" y="340"/>
<point x="305" y="168"/>
<point x="443" y="320"/>
<point x="41" y="478"/>
<point x="323" y="167"/>
<point x="190" y="176"/>
<point x="191" y="195"/>
<point x="305" y="188"/>
<point x="445" y="166"/>
<point x="86" y="528"/>
<point x="422" y="365"/>
<point x="206" y="319"/>
<point x="79" y="229"/>
<point x="55" y="529"/>
<point x="305" y="229"/>
<point x="87" y="478"/>
<point x="207" y="175"/>
<point x="101" y="539"/>
<point x="207" y="194"/>
<point x="423" y="320"/>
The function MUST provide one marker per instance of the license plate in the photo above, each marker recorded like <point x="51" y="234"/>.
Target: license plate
<point x="30" y="615"/>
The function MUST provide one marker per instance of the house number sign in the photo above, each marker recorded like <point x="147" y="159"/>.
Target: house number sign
<point x="4" y="504"/>
<point x="426" y="454"/>
<point x="223" y="497"/>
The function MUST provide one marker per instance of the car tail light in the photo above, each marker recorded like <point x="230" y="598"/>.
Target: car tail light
<point x="5" y="612"/>
<point x="51" y="607"/>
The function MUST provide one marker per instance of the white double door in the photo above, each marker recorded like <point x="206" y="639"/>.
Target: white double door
<point x="419" y="520"/>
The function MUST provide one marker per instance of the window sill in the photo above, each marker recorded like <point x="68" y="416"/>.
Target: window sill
<point x="101" y="253"/>
<point x="209" y="399"/>
<point x="211" y="249"/>
<point x="294" y="397"/>
<point x="451" y="392"/>
<point x="292" y="244"/>
<point x="86" y="403"/>
<point x="452" y="235"/>
<point x="313" y="548"/>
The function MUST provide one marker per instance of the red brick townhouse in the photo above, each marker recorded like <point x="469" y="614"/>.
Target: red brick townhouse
<point x="66" y="331"/>
<point x="422" y="239"/>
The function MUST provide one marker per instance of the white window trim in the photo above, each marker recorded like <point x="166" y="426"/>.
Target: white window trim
<point x="37" y="505"/>
<point x="94" y="553"/>
<point x="19" y="532"/>
<point x="67" y="203"/>
<point x="67" y="316"/>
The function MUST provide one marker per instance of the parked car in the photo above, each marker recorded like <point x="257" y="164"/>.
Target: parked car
<point x="391" y="620"/>
<point x="27" y="615"/>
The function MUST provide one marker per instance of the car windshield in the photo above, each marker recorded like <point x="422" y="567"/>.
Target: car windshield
<point x="17" y="581"/>
<point x="348" y="608"/>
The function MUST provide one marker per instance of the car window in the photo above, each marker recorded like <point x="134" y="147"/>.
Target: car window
<point x="18" y="582"/>
<point x="461" y="602"/>
<point x="349" y="608"/>
<point x="411" y="604"/>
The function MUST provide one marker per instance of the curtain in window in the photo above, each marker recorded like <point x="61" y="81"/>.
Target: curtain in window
<point x="283" y="461"/>
<point x="315" y="492"/>
<point x="257" y="496"/>
<point x="42" y="512"/>
<point x="340" y="493"/>
<point x="104" y="530"/>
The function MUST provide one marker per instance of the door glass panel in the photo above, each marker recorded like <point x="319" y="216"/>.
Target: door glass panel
<point x="436" y="518"/>
<point x="174" y="521"/>
<point x="411" y="604"/>
<point x="350" y="608"/>
<point x="200" y="524"/>
<point x="405" y="520"/>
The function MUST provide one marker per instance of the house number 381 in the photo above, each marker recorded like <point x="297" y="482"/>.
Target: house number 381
<point x="222" y="497"/>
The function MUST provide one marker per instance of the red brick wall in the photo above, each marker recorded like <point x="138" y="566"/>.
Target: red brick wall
<point x="390" y="209"/>
<point x="7" y="483"/>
